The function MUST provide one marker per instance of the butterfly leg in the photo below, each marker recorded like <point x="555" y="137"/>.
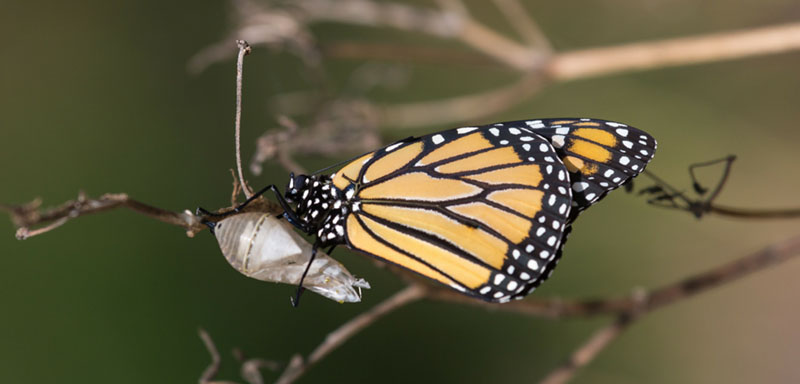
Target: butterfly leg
<point x="300" y="289"/>
<point x="288" y="212"/>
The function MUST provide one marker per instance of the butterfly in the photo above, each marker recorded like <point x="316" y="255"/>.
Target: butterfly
<point x="484" y="210"/>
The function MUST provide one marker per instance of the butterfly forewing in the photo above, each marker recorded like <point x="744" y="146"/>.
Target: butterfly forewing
<point x="481" y="209"/>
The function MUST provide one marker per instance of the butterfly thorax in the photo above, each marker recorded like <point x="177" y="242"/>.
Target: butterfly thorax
<point x="320" y="206"/>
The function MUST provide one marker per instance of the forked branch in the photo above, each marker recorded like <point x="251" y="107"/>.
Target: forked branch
<point x="27" y="216"/>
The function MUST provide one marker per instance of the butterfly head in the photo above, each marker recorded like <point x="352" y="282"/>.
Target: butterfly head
<point x="296" y="187"/>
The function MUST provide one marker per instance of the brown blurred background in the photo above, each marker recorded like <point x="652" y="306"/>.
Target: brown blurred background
<point x="96" y="96"/>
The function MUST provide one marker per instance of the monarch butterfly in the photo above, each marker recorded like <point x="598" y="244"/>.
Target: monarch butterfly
<point x="484" y="209"/>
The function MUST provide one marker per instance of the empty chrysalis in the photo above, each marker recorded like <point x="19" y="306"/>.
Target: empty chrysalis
<point x="261" y="246"/>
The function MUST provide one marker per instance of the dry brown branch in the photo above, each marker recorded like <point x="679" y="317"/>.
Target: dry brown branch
<point x="29" y="215"/>
<point x="642" y="301"/>
<point x="298" y="366"/>
<point x="743" y="213"/>
<point x="674" y="52"/>
<point x="400" y="53"/>
<point x="518" y="17"/>
<point x="213" y="368"/>
<point x="250" y="370"/>
<point x="472" y="107"/>
<point x="592" y="62"/>
<point x="664" y="195"/>
<point x="588" y="351"/>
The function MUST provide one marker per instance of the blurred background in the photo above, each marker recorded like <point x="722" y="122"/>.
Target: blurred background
<point x="96" y="96"/>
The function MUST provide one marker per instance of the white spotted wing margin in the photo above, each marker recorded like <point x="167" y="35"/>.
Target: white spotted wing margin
<point x="601" y="155"/>
<point x="481" y="209"/>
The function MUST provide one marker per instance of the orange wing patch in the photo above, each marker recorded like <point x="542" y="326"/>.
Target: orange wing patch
<point x="361" y="239"/>
<point x="597" y="135"/>
<point x="529" y="174"/>
<point x="469" y="143"/>
<point x="350" y="171"/>
<point x="419" y="186"/>
<point x="492" y="158"/>
<point x="575" y="164"/>
<point x="526" y="202"/>
<point x="392" y="161"/>
<point x="590" y="151"/>
<point x="464" y="271"/>
<point x="481" y="244"/>
<point x="511" y="226"/>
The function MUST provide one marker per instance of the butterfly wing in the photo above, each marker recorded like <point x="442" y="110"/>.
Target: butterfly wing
<point x="600" y="155"/>
<point x="481" y="209"/>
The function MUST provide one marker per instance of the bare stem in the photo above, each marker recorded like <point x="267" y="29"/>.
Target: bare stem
<point x="674" y="52"/>
<point x="244" y="49"/>
<point x="298" y="366"/>
<point x="643" y="301"/>
<point x="519" y="18"/>
<point x="588" y="351"/>
<point x="28" y="215"/>
<point x="744" y="213"/>
<point x="213" y="368"/>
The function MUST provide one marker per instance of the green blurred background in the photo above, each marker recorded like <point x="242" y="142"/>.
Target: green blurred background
<point x="95" y="96"/>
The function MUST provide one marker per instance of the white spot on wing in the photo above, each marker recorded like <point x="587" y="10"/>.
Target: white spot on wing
<point x="558" y="141"/>
<point x="580" y="186"/>
<point x="437" y="139"/>
<point x="535" y="124"/>
<point x="464" y="130"/>
<point x="393" y="147"/>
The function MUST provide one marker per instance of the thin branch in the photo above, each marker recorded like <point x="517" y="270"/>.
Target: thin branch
<point x="404" y="53"/>
<point x="213" y="368"/>
<point x="472" y="107"/>
<point x="588" y="351"/>
<point x="676" y="199"/>
<point x="298" y="366"/>
<point x="790" y="213"/>
<point x="642" y="301"/>
<point x="674" y="52"/>
<point x="592" y="62"/>
<point x="519" y="18"/>
<point x="28" y="215"/>
<point x="244" y="50"/>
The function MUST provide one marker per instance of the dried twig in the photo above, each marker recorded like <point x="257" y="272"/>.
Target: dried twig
<point x="244" y="50"/>
<point x="519" y="18"/>
<point x="588" y="350"/>
<point x="298" y="366"/>
<point x="674" y="52"/>
<point x="642" y="301"/>
<point x="566" y="66"/>
<point x="667" y="196"/>
<point x="28" y="215"/>
<point x="213" y="368"/>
